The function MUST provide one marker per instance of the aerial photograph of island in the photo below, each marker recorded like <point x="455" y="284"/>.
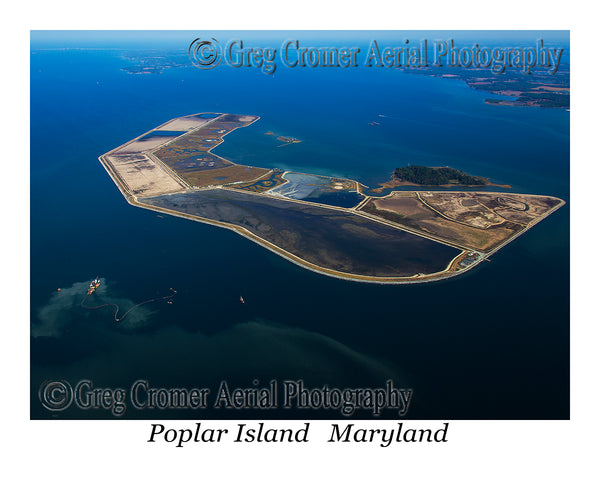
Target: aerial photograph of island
<point x="299" y="224"/>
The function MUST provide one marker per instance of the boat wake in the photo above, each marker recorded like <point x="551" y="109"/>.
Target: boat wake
<point x="96" y="283"/>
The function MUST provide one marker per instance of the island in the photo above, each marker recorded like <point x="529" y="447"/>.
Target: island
<point x="418" y="175"/>
<point x="285" y="140"/>
<point x="332" y="226"/>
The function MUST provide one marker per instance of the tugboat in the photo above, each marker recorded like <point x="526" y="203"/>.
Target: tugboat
<point x="93" y="286"/>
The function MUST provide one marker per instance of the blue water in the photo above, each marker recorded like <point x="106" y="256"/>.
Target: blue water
<point x="492" y="343"/>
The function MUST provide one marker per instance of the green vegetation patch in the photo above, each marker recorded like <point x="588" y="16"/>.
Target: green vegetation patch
<point x="436" y="176"/>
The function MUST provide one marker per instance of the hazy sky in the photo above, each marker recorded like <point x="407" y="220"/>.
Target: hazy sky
<point x="182" y="38"/>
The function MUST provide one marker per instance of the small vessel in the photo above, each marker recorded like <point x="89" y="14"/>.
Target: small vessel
<point x="93" y="286"/>
<point x="242" y="299"/>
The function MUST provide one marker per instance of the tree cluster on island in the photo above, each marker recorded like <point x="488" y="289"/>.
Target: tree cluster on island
<point x="421" y="175"/>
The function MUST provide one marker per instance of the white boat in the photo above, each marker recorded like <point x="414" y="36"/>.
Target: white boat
<point x="93" y="286"/>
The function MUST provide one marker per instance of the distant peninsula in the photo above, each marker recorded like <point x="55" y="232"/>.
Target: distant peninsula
<point x="535" y="90"/>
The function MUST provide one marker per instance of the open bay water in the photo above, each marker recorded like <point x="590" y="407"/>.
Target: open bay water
<point x="492" y="343"/>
